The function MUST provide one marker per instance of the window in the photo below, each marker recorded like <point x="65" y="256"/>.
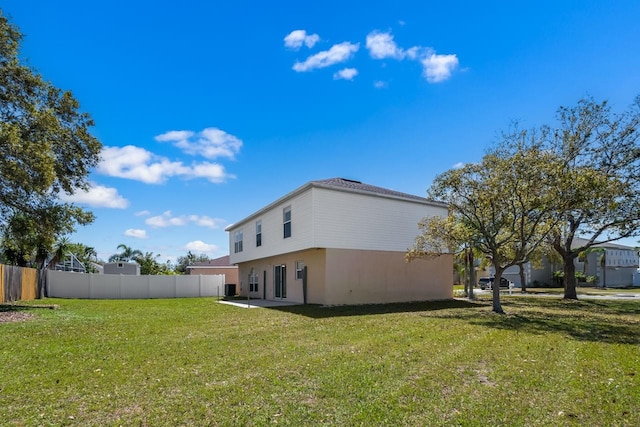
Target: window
<point x="286" y="219"/>
<point x="237" y="243"/>
<point x="258" y="233"/>
<point x="120" y="265"/>
<point x="299" y="270"/>
<point x="253" y="281"/>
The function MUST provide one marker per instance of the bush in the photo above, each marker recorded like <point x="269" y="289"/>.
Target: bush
<point x="592" y="280"/>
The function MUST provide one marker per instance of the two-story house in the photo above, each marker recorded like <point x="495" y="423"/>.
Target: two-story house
<point x="338" y="241"/>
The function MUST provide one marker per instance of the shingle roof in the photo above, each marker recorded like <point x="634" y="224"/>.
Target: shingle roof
<point x="218" y="262"/>
<point x="365" y="188"/>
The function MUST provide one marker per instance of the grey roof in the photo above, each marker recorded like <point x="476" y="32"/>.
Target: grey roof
<point x="218" y="262"/>
<point x="343" y="183"/>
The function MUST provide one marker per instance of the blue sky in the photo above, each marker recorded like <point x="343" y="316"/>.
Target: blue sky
<point x="210" y="110"/>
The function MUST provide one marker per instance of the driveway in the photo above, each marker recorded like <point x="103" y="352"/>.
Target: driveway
<point x="612" y="296"/>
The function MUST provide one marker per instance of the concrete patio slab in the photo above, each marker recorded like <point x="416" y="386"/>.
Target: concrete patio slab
<point x="257" y="303"/>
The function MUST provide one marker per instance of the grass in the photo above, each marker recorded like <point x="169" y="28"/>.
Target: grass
<point x="584" y="290"/>
<point x="196" y="362"/>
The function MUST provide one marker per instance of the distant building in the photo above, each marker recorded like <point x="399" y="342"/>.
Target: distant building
<point x="220" y="265"/>
<point x="614" y="265"/>
<point x="70" y="263"/>
<point x="122" y="267"/>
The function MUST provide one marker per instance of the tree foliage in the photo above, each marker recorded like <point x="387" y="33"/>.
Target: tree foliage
<point x="127" y="254"/>
<point x="184" y="261"/>
<point x="149" y="264"/>
<point x="496" y="206"/>
<point x="599" y="180"/>
<point x="45" y="150"/>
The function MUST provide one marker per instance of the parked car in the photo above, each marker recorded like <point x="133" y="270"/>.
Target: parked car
<point x="487" y="283"/>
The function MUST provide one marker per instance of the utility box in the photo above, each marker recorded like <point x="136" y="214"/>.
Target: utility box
<point x="230" y="290"/>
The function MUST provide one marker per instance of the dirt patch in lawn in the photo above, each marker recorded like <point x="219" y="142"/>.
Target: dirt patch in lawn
<point x="20" y="313"/>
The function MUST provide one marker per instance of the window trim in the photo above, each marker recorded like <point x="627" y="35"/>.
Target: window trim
<point x="259" y="233"/>
<point x="238" y="237"/>
<point x="286" y="222"/>
<point x="299" y="269"/>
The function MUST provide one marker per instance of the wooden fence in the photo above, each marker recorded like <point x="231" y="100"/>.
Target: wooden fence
<point x="17" y="283"/>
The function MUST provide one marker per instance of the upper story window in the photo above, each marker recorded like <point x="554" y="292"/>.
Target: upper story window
<point x="286" y="220"/>
<point x="258" y="233"/>
<point x="237" y="241"/>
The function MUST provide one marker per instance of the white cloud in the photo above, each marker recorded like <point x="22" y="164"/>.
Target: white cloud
<point x="295" y="39"/>
<point x="174" y="135"/>
<point x="206" y="221"/>
<point x="379" y="84"/>
<point x="345" y="74"/>
<point x="136" y="232"/>
<point x="98" y="196"/>
<point x="142" y="213"/>
<point x="336" y="54"/>
<point x="438" y="68"/>
<point x="381" y="45"/>
<point x="199" y="246"/>
<point x="141" y="165"/>
<point x="458" y="165"/>
<point x="210" y="142"/>
<point x="168" y="220"/>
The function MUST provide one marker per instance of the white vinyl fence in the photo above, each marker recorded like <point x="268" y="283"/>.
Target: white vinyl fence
<point x="64" y="284"/>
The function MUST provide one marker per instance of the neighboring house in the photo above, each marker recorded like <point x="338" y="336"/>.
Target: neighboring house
<point x="614" y="265"/>
<point x="220" y="265"/>
<point x="70" y="263"/>
<point x="338" y="241"/>
<point x="122" y="267"/>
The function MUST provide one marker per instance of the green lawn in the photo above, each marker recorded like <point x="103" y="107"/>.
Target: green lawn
<point x="197" y="362"/>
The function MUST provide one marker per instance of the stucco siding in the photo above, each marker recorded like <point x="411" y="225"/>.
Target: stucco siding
<point x="314" y="259"/>
<point x="371" y="277"/>
<point x="354" y="221"/>
<point x="230" y="273"/>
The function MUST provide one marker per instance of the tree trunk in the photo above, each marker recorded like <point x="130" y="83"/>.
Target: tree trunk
<point x="465" y="279"/>
<point x="495" y="287"/>
<point x="472" y="274"/>
<point x="569" y="278"/>
<point x="523" y="283"/>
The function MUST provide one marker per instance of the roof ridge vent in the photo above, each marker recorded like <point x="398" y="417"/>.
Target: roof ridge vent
<point x="350" y="180"/>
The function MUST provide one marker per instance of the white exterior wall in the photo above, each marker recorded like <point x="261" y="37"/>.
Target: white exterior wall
<point x="357" y="221"/>
<point x="323" y="218"/>
<point x="273" y="242"/>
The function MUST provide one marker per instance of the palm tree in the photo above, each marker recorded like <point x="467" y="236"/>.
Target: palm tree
<point x="127" y="254"/>
<point x="59" y="251"/>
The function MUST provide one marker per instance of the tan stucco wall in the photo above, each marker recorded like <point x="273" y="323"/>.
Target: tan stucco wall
<point x="230" y="273"/>
<point x="370" y="277"/>
<point x="314" y="259"/>
<point x="346" y="276"/>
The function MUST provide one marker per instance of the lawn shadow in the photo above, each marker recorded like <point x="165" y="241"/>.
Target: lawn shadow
<point x="18" y="306"/>
<point x="321" y="312"/>
<point x="584" y="320"/>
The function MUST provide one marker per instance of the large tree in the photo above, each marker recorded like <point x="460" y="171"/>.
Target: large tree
<point x="599" y="181"/>
<point x="45" y="150"/>
<point x="499" y="206"/>
<point x="184" y="261"/>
